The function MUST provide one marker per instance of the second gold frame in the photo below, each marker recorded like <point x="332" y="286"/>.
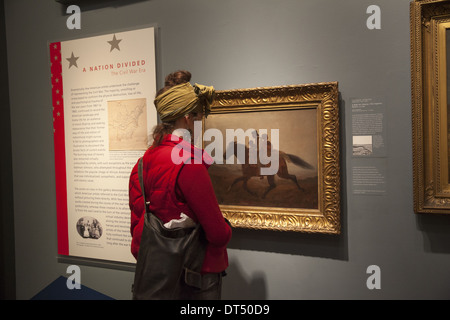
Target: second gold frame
<point x="430" y="33"/>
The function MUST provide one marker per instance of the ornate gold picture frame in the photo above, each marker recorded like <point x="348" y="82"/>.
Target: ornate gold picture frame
<point x="304" y="194"/>
<point x="430" y="62"/>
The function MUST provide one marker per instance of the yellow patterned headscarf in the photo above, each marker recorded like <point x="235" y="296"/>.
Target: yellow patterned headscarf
<point x="183" y="99"/>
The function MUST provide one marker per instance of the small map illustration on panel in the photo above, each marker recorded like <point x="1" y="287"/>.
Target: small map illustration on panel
<point x="127" y="124"/>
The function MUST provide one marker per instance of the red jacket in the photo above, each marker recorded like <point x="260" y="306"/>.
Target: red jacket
<point x="175" y="188"/>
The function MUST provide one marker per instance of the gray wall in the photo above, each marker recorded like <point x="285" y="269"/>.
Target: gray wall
<point x="240" y="44"/>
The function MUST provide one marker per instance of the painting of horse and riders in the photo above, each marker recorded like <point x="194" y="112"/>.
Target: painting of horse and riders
<point x="292" y="156"/>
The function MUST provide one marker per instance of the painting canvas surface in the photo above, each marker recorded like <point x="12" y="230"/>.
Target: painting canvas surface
<point x="296" y="186"/>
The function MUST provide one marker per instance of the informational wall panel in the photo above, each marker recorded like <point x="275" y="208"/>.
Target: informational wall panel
<point x="103" y="89"/>
<point x="369" y="152"/>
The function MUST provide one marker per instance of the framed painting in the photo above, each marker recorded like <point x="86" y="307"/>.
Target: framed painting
<point x="277" y="160"/>
<point x="430" y="63"/>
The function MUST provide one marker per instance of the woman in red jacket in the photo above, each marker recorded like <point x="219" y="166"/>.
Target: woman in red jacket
<point x="181" y="193"/>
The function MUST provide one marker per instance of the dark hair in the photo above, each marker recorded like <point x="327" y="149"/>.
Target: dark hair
<point x="173" y="79"/>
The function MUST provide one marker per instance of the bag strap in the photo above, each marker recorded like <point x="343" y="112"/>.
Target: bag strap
<point x="141" y="181"/>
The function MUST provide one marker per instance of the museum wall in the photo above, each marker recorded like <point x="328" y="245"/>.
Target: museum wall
<point x="245" y="44"/>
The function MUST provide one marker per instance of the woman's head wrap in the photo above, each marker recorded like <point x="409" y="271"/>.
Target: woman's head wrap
<point x="183" y="99"/>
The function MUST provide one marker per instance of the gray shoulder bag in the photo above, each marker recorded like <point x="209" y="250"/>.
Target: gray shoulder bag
<point x="169" y="260"/>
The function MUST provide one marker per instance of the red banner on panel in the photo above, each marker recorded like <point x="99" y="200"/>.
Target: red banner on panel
<point x="59" y="143"/>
